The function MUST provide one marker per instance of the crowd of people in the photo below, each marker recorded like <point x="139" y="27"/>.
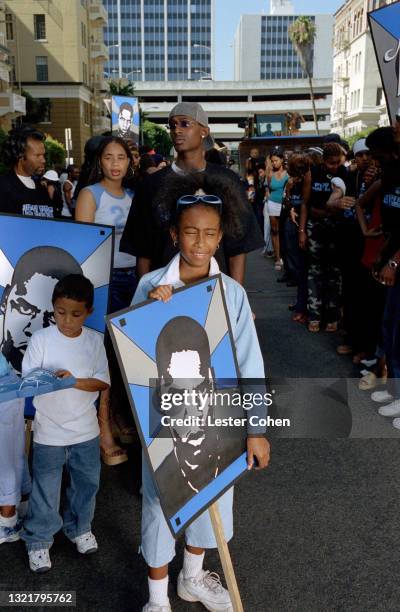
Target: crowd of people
<point x="328" y="216"/>
<point x="332" y="223"/>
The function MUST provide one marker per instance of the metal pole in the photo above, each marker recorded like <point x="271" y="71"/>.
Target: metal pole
<point x="119" y="39"/>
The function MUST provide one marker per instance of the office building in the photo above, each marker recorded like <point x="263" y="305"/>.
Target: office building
<point x="160" y="40"/>
<point x="262" y="47"/>
<point x="57" y="55"/>
<point x="357" y="99"/>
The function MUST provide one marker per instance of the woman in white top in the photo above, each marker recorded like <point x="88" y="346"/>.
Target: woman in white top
<point x="107" y="201"/>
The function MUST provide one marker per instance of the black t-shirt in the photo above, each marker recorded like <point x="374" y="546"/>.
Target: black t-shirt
<point x="321" y="187"/>
<point x="355" y="188"/>
<point x="296" y="195"/>
<point x="18" y="199"/>
<point x="146" y="232"/>
<point x="391" y="209"/>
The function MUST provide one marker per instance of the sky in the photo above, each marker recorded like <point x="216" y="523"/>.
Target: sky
<point x="227" y="16"/>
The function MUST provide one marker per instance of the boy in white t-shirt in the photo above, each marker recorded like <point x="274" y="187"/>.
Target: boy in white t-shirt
<point x="66" y="431"/>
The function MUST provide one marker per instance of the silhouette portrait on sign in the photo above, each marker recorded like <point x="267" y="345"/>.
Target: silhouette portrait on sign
<point x="199" y="453"/>
<point x="26" y="302"/>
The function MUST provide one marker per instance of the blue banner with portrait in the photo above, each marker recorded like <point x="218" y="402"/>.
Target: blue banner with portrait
<point x="36" y="253"/>
<point x="125" y="118"/>
<point x="183" y="349"/>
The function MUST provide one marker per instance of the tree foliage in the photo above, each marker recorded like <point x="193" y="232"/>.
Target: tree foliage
<point x="122" y="87"/>
<point x="55" y="152"/>
<point x="363" y="134"/>
<point x="156" y="137"/>
<point x="302" y="33"/>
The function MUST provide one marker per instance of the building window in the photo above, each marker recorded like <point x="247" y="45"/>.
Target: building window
<point x="45" y="107"/>
<point x="379" y="94"/>
<point x="83" y="34"/>
<point x="9" y="26"/>
<point x="86" y="113"/>
<point x="39" y="22"/>
<point x="85" y="73"/>
<point x="42" y="69"/>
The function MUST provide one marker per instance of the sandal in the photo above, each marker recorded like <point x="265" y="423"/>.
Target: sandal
<point x="344" y="349"/>
<point x="370" y="381"/>
<point x="314" y="327"/>
<point x="332" y="327"/>
<point x="299" y="317"/>
<point x="114" y="455"/>
<point x="278" y="265"/>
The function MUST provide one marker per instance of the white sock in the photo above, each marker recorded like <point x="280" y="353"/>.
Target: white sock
<point x="158" y="591"/>
<point x="192" y="564"/>
<point x="23" y="508"/>
<point x="8" y="521"/>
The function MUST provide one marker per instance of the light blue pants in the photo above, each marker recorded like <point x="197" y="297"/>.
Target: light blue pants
<point x="158" y="544"/>
<point x="14" y="473"/>
<point x="82" y="462"/>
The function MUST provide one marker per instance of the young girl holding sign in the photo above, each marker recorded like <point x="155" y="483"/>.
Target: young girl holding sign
<point x="197" y="224"/>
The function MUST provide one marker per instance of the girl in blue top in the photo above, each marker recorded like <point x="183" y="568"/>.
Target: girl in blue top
<point x="107" y="201"/>
<point x="277" y="179"/>
<point x="197" y="224"/>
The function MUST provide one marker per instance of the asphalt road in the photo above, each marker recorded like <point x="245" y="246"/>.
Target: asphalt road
<point x="317" y="531"/>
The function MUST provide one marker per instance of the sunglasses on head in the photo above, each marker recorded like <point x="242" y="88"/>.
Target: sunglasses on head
<point x="182" y="123"/>
<point x="189" y="200"/>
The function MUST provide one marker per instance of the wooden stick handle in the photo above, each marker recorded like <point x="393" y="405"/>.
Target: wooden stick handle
<point x="225" y="557"/>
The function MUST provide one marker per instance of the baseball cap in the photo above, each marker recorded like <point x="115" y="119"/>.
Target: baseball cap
<point x="360" y="146"/>
<point x="51" y="175"/>
<point x="190" y="109"/>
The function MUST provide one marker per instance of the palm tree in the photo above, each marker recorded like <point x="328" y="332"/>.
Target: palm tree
<point x="302" y="33"/>
<point x="122" y="87"/>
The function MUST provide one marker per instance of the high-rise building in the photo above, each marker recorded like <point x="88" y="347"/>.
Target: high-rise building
<point x="57" y="56"/>
<point x="357" y="99"/>
<point x="160" y="40"/>
<point x="262" y="47"/>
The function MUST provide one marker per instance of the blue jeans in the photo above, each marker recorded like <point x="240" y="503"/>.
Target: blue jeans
<point x="123" y="286"/>
<point x="297" y="264"/>
<point x="82" y="463"/>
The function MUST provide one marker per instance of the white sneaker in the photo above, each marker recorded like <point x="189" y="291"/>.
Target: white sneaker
<point x="9" y="534"/>
<point x="86" y="543"/>
<point x="381" y="397"/>
<point x="391" y="410"/>
<point x="153" y="607"/>
<point x="207" y="589"/>
<point x="396" y="423"/>
<point x="39" y="560"/>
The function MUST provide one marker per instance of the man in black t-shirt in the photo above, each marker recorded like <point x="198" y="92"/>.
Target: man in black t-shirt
<point x="20" y="194"/>
<point x="146" y="232"/>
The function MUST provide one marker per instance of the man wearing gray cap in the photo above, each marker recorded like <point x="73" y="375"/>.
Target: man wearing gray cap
<point x="146" y="234"/>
